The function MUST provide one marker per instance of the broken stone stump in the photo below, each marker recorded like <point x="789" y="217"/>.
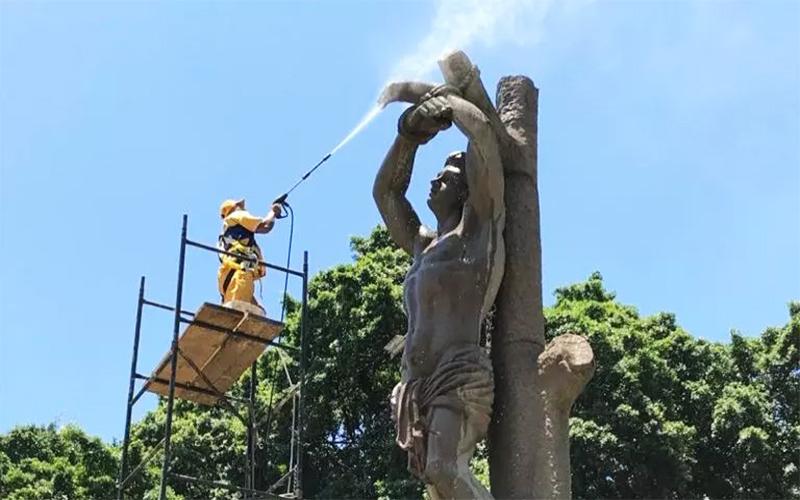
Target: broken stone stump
<point x="564" y="368"/>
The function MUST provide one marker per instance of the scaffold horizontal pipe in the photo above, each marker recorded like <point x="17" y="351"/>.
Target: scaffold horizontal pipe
<point x="222" y="484"/>
<point x="164" y="306"/>
<point x="245" y="336"/>
<point x="248" y="259"/>
<point x="192" y="388"/>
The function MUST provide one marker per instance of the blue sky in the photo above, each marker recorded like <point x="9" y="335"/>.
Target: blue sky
<point x="669" y="161"/>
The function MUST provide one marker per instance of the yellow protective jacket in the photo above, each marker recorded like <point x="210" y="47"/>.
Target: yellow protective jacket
<point x="238" y="237"/>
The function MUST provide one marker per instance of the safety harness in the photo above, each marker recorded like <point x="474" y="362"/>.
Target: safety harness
<point x="237" y="239"/>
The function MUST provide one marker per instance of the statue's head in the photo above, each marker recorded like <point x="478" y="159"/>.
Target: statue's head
<point x="449" y="188"/>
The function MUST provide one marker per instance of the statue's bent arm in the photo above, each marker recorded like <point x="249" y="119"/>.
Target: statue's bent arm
<point x="485" y="172"/>
<point x="389" y="192"/>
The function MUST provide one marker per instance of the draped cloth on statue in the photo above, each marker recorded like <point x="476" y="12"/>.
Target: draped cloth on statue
<point x="463" y="382"/>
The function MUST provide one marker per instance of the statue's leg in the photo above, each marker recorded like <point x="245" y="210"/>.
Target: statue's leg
<point x="441" y="467"/>
<point x="473" y="433"/>
<point x="451" y="444"/>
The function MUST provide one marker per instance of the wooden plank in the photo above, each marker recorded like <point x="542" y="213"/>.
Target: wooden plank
<point x="222" y="358"/>
<point x="225" y="366"/>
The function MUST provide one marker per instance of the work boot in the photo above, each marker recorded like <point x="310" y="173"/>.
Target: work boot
<point x="245" y="307"/>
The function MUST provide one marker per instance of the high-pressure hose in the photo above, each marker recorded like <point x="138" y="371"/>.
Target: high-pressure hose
<point x="290" y="213"/>
<point x="287" y="211"/>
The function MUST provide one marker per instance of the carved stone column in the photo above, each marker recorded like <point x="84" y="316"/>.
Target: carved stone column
<point x="518" y="337"/>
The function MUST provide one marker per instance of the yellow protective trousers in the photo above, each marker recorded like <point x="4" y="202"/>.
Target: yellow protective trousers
<point x="235" y="283"/>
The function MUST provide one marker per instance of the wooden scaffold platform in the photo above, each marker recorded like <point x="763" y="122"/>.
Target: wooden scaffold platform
<point x="211" y="356"/>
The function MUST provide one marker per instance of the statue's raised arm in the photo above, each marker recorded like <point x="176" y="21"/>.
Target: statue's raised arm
<point x="389" y="192"/>
<point x="394" y="175"/>
<point x="438" y="107"/>
<point x="484" y="166"/>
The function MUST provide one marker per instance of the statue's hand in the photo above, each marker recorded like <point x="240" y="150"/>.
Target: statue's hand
<point x="434" y="113"/>
<point x="442" y="90"/>
<point x="422" y="122"/>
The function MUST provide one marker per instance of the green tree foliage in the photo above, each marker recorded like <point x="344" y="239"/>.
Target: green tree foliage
<point x="667" y="415"/>
<point x="355" y="310"/>
<point x="671" y="416"/>
<point x="208" y="443"/>
<point x="45" y="462"/>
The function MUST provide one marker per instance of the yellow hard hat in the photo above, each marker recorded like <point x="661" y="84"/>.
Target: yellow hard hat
<point x="229" y="206"/>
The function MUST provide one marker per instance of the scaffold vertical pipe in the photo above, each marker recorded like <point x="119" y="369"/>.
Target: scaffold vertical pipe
<point x="123" y="468"/>
<point x="292" y="442"/>
<point x="250" y="463"/>
<point x="173" y="364"/>
<point x="298" y="484"/>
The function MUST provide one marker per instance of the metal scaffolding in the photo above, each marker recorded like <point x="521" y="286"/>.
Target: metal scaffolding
<point x="182" y="316"/>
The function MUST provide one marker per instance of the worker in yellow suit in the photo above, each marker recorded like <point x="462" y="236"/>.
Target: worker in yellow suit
<point x="236" y="277"/>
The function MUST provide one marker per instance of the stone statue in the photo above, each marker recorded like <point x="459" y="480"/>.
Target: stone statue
<point x="442" y="406"/>
<point x="486" y="250"/>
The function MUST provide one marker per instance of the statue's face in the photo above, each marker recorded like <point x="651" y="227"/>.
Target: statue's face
<point x="448" y="190"/>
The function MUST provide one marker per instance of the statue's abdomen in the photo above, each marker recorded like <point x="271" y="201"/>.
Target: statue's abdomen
<point x="443" y="301"/>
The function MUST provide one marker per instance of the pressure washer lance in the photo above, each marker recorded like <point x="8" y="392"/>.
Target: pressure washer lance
<point x="365" y="120"/>
<point x="281" y="200"/>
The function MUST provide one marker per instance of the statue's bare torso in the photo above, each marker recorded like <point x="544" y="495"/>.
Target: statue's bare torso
<point x="445" y="294"/>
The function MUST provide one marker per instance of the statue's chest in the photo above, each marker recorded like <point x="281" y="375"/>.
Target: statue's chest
<point x="443" y="268"/>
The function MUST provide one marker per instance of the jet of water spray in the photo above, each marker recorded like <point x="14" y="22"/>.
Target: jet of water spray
<point x="456" y="24"/>
<point x="462" y="24"/>
<point x="371" y="114"/>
